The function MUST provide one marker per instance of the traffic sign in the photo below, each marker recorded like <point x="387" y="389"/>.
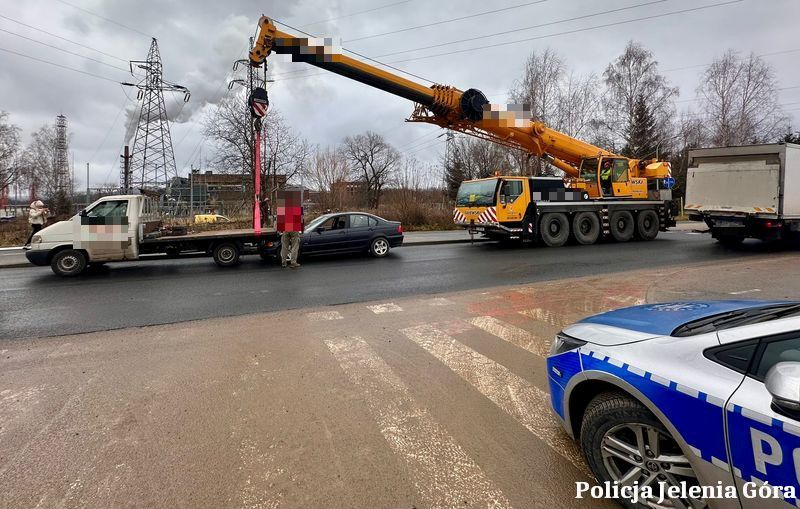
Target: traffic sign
<point x="259" y="102"/>
<point x="669" y="182"/>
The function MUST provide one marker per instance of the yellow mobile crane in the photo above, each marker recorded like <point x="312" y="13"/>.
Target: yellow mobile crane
<point x="602" y="193"/>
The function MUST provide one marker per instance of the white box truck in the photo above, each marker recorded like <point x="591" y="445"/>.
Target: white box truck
<point x="125" y="227"/>
<point x="746" y="192"/>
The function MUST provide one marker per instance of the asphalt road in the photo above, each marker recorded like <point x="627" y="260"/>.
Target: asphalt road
<point x="34" y="302"/>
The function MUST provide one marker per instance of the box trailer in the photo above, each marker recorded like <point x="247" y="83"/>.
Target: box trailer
<point x="746" y="192"/>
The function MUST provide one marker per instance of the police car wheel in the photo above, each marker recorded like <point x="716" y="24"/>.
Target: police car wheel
<point x="625" y="443"/>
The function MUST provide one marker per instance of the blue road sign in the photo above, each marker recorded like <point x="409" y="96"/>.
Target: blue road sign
<point x="669" y="182"/>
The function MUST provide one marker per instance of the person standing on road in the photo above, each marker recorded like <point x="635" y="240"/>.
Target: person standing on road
<point x="290" y="223"/>
<point x="37" y="217"/>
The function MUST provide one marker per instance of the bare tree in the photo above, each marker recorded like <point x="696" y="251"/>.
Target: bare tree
<point x="557" y="97"/>
<point x="373" y="160"/>
<point x="739" y="99"/>
<point x="632" y="75"/>
<point x="327" y="168"/>
<point x="9" y="149"/>
<point x="471" y="158"/>
<point x="228" y="128"/>
<point x="284" y="153"/>
<point x="38" y="161"/>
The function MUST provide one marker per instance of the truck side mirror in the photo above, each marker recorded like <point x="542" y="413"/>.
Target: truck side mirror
<point x="83" y="213"/>
<point x="503" y="199"/>
<point x="783" y="384"/>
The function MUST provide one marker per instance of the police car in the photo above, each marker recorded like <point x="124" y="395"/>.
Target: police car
<point x="698" y="400"/>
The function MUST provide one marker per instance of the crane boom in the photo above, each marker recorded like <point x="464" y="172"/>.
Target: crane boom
<point x="466" y="111"/>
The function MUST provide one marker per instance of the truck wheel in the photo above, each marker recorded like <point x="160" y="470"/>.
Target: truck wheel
<point x="621" y="225"/>
<point x="226" y="254"/>
<point x="586" y="227"/>
<point x="624" y="442"/>
<point x="647" y="225"/>
<point x="68" y="263"/>
<point x="554" y="229"/>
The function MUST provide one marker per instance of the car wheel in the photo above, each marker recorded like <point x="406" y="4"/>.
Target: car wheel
<point x="379" y="247"/>
<point x="586" y="227"/>
<point x="226" y="254"/>
<point x="625" y="443"/>
<point x="554" y="229"/>
<point x="621" y="225"/>
<point x="68" y="263"/>
<point x="647" y="225"/>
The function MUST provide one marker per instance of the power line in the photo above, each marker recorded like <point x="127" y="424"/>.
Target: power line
<point x="567" y="32"/>
<point x="606" y="25"/>
<point x="505" y="32"/>
<point x="59" y="65"/>
<point x="63" y="38"/>
<point x="64" y="50"/>
<point x="109" y="20"/>
<point x="357" y="13"/>
<point x="359" y="54"/>
<point x="445" y="21"/>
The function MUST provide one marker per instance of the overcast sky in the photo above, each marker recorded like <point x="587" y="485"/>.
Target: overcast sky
<point x="200" y="39"/>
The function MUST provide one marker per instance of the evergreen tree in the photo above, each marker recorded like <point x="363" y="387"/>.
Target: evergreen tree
<point x="791" y="137"/>
<point x="641" y="136"/>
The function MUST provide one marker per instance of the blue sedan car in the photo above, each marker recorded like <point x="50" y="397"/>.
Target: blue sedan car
<point x="685" y="404"/>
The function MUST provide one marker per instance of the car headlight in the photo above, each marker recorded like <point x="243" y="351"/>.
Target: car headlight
<point x="37" y="239"/>
<point x="563" y="343"/>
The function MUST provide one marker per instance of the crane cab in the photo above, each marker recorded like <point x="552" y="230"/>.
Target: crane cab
<point x="610" y="177"/>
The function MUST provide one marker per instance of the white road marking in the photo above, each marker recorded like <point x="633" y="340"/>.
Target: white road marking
<point x="549" y="317"/>
<point x="443" y="474"/>
<point x="389" y="307"/>
<point x="324" y="315"/>
<point x="440" y="301"/>
<point x="741" y="292"/>
<point x="522" y="400"/>
<point x="512" y="334"/>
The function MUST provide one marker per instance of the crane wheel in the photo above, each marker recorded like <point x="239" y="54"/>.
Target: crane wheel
<point x="647" y="225"/>
<point x="586" y="228"/>
<point x="554" y="229"/>
<point x="622" y="225"/>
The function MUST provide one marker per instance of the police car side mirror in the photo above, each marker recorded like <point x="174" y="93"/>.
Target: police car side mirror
<point x="783" y="384"/>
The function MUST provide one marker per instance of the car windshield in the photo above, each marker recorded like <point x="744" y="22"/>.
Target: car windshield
<point x="477" y="193"/>
<point x="737" y="319"/>
<point x="318" y="221"/>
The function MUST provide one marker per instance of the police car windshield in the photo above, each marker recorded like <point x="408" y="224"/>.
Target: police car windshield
<point x="737" y="319"/>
